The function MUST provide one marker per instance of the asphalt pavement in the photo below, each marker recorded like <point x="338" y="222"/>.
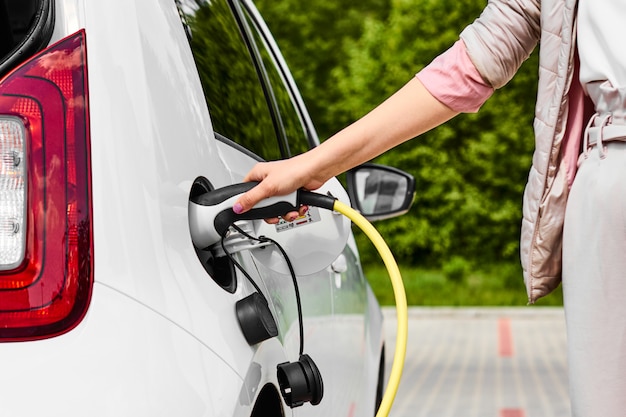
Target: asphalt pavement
<point x="481" y="362"/>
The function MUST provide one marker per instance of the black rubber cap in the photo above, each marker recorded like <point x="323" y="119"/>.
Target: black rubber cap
<point x="255" y="319"/>
<point x="300" y="382"/>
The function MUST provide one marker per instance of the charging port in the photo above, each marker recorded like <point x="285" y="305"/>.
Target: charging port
<point x="218" y="266"/>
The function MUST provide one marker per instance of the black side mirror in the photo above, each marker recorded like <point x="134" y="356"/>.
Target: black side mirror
<point x="380" y="192"/>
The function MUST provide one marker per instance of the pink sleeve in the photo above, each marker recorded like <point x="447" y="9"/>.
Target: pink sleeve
<point x="453" y="79"/>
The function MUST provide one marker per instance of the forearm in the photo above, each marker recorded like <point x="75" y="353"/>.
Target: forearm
<point x="408" y="113"/>
<point x="411" y="111"/>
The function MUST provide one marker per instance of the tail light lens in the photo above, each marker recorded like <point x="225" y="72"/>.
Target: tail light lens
<point x="12" y="192"/>
<point x="46" y="264"/>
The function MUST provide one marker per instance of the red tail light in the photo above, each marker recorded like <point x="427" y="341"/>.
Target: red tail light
<point x="46" y="264"/>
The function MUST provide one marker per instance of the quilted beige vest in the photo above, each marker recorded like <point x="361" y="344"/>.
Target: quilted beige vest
<point x="498" y="42"/>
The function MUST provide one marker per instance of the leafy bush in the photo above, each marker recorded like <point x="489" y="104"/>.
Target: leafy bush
<point x="456" y="269"/>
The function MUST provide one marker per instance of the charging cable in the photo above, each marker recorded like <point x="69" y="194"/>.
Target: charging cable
<point x="265" y="239"/>
<point x="400" y="298"/>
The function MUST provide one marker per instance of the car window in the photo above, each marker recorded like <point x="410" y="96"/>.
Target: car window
<point x="25" y="28"/>
<point x="293" y="127"/>
<point x="15" y="21"/>
<point x="231" y="81"/>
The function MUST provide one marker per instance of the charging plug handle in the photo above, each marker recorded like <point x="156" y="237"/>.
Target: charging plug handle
<point x="223" y="198"/>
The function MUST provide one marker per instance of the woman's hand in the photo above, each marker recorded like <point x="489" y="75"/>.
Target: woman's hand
<point x="278" y="178"/>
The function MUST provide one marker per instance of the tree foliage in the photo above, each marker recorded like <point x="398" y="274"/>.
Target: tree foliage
<point x="312" y="36"/>
<point x="470" y="172"/>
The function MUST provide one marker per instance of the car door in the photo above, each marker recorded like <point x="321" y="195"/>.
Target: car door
<point x="257" y="114"/>
<point x="346" y="359"/>
<point x="352" y="350"/>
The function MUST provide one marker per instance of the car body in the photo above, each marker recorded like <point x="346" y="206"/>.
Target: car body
<point x="122" y="110"/>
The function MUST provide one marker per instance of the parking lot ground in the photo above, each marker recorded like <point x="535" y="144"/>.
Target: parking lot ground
<point x="481" y="362"/>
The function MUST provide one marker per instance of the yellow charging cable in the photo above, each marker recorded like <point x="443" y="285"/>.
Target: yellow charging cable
<point x="401" y="306"/>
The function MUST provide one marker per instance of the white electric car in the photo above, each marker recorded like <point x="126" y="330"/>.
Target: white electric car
<point x="114" y="115"/>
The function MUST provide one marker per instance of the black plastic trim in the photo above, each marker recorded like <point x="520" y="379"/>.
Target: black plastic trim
<point x="235" y="145"/>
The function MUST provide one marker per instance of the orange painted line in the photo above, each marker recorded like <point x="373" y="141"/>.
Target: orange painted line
<point x="505" y="338"/>
<point x="352" y="410"/>
<point x="511" y="412"/>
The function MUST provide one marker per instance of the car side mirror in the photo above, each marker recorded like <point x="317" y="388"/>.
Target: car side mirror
<point x="380" y="192"/>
